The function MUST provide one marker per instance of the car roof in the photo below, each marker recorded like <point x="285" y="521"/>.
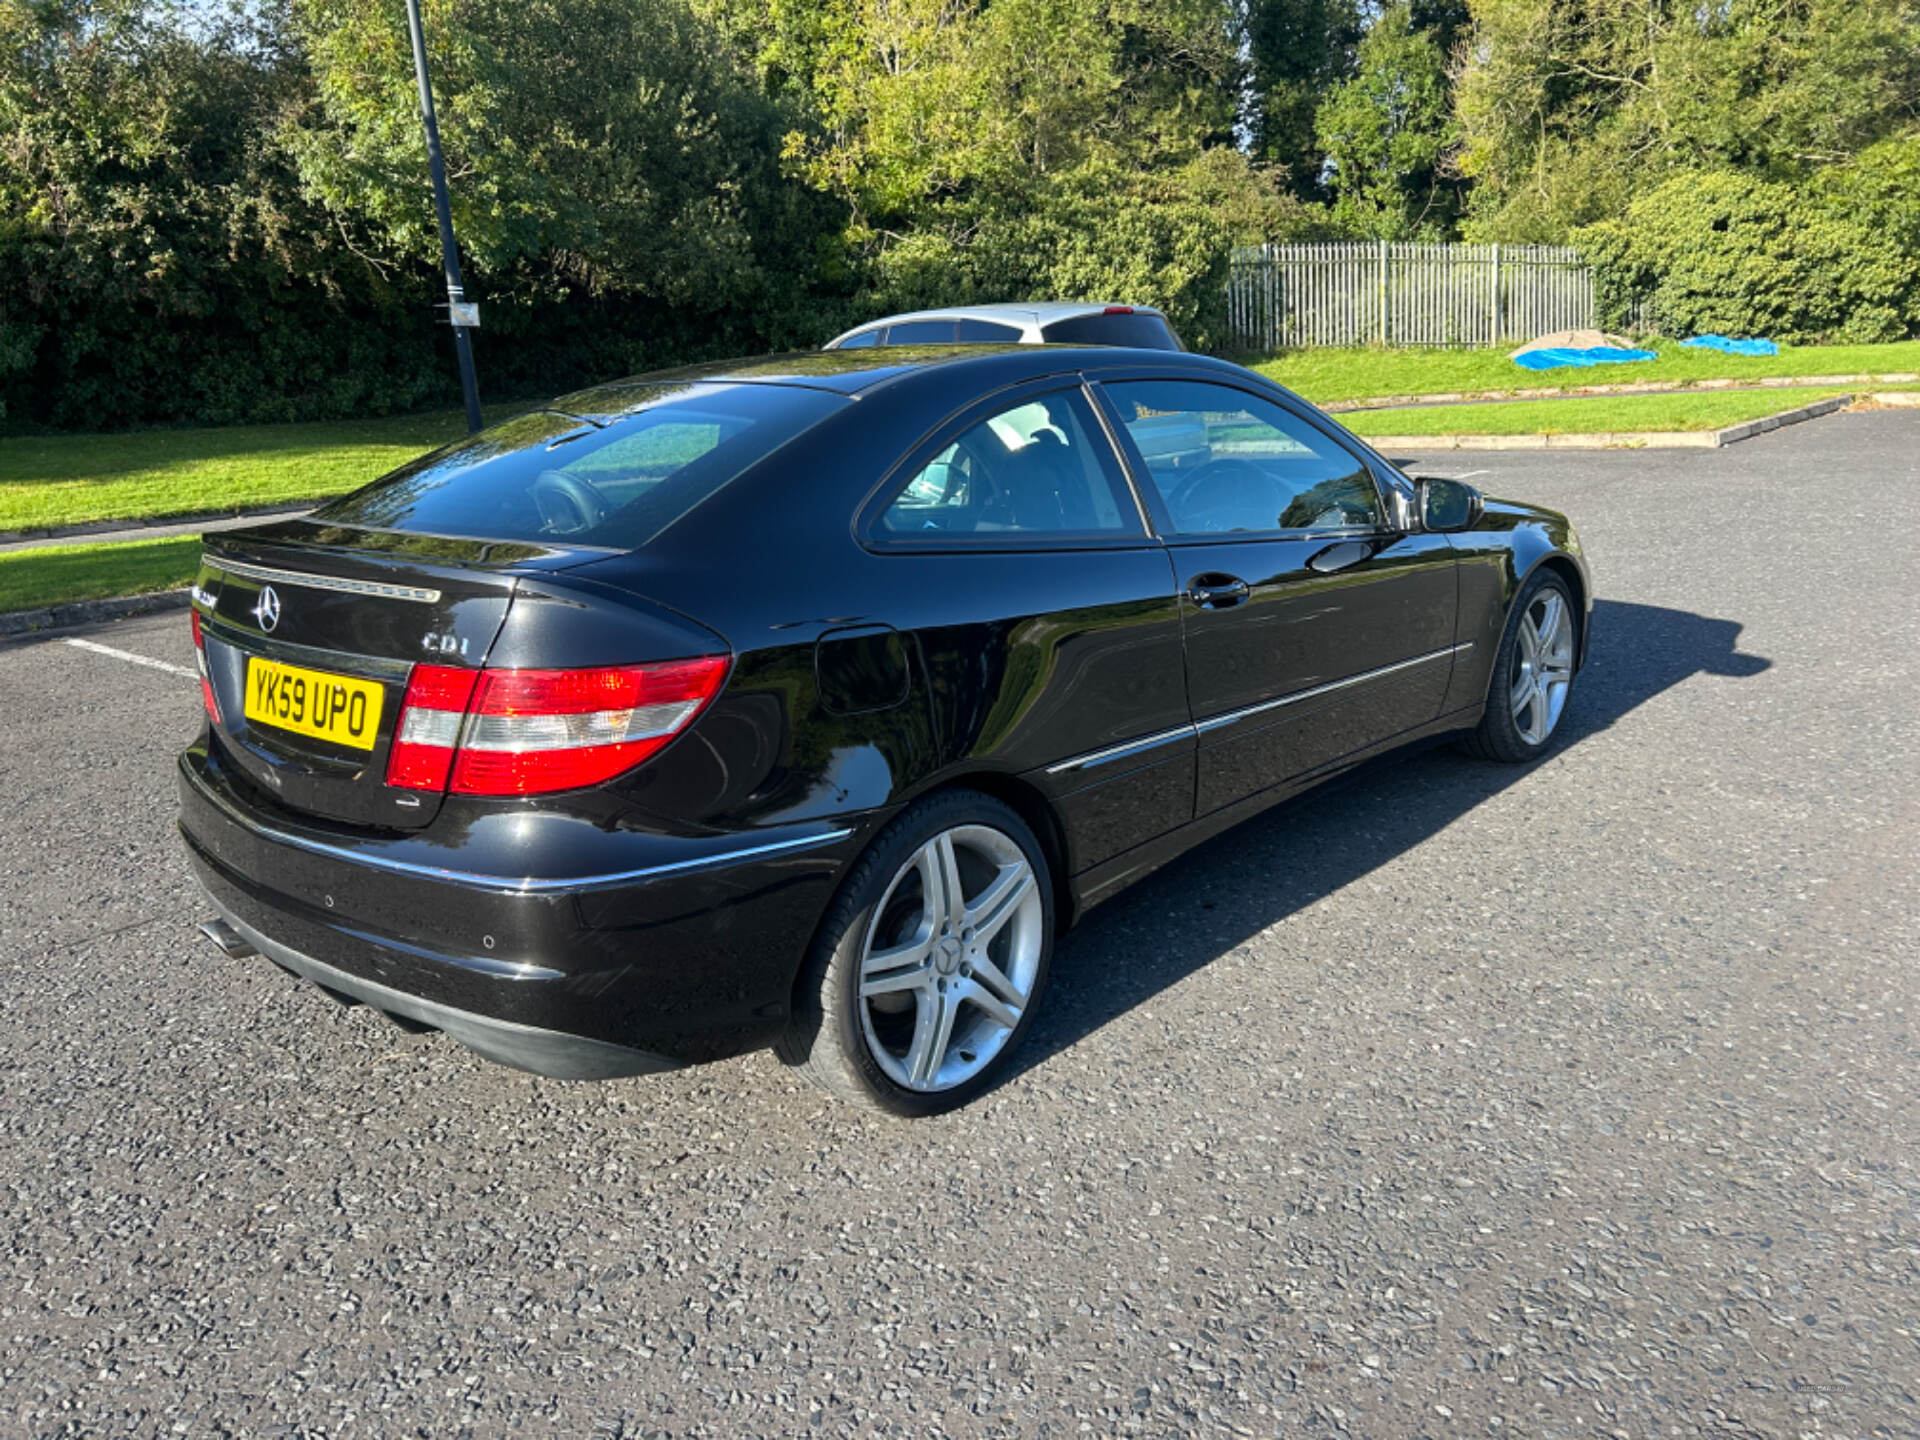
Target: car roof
<point x="856" y="372"/>
<point x="1036" y="313"/>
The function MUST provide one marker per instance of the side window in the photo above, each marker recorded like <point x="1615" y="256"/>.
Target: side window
<point x="1226" y="461"/>
<point x="860" y="341"/>
<point x="1041" y="468"/>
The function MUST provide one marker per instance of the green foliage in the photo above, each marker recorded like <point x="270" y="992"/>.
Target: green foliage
<point x="1720" y="251"/>
<point x="1298" y="51"/>
<point x="1386" y="133"/>
<point x="643" y="165"/>
<point x="1570" y="108"/>
<point x="1072" y="149"/>
<point x="154" y="261"/>
<point x="221" y="214"/>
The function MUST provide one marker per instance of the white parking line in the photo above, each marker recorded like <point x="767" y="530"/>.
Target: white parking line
<point x="135" y="659"/>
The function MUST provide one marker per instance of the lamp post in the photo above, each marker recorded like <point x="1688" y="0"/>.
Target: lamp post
<point x="460" y="314"/>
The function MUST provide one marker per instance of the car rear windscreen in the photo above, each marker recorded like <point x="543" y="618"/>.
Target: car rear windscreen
<point x="1144" y="332"/>
<point x="548" y="477"/>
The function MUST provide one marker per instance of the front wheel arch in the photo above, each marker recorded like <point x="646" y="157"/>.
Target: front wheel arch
<point x="1564" y="565"/>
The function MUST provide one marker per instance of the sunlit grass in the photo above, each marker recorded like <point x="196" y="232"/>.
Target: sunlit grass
<point x="1329" y="375"/>
<point x="48" y="481"/>
<point x="54" y="574"/>
<point x="1707" y="410"/>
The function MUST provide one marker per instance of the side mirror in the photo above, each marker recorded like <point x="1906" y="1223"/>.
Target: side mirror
<point x="1445" y="505"/>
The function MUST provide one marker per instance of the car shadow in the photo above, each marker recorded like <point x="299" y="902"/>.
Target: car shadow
<point x="1198" y="907"/>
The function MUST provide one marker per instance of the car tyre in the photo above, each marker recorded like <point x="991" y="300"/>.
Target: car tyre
<point x="926" y="972"/>
<point x="1533" y="674"/>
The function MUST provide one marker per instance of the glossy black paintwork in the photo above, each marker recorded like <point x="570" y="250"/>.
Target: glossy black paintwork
<point x="1303" y="630"/>
<point x="862" y="677"/>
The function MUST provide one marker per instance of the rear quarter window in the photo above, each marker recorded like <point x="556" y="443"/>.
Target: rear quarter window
<point x="1144" y="332"/>
<point x="545" y="477"/>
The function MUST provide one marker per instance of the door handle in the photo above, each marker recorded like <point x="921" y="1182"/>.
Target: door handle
<point x="1217" y="592"/>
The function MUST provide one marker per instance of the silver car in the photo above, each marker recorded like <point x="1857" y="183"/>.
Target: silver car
<point x="1139" y="326"/>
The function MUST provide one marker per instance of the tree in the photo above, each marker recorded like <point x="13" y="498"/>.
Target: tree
<point x="1569" y="108"/>
<point x="157" y="259"/>
<point x="644" y="165"/>
<point x="1386" y="133"/>
<point x="1298" y="51"/>
<point x="1034" y="148"/>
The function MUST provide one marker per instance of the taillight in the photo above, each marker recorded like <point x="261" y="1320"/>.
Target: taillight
<point x="1118" y="310"/>
<point x="430" y="716"/>
<point x="200" y="659"/>
<point x="524" y="732"/>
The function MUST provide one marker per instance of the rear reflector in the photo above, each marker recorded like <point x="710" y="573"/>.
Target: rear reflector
<point x="200" y="659"/>
<point x="524" y="732"/>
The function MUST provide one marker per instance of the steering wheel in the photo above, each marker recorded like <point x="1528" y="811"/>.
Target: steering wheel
<point x="568" y="505"/>
<point x="1222" y="494"/>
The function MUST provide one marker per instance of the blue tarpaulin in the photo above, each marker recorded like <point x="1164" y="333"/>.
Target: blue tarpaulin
<point x="1553" y="359"/>
<point x="1734" y="347"/>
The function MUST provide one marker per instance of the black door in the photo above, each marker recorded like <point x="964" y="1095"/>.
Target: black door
<point x="1314" y="629"/>
<point x="1019" y="566"/>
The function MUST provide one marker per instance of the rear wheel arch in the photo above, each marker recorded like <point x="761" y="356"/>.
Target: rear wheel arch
<point x="1026" y="801"/>
<point x="830" y="1032"/>
<point x="1018" y="795"/>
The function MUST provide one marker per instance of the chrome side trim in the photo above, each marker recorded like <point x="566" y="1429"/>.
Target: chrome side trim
<point x="327" y="582"/>
<point x="1216" y="721"/>
<point x="528" y="885"/>
<point x="1131" y="747"/>
<point x="1116" y="752"/>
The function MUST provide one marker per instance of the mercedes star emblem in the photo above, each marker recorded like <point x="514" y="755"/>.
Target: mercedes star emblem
<point x="267" y="611"/>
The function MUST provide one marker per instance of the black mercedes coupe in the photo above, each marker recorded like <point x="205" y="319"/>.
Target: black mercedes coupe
<point x="805" y="701"/>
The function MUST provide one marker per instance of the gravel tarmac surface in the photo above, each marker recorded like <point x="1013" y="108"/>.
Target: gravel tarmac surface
<point x="1577" y="1100"/>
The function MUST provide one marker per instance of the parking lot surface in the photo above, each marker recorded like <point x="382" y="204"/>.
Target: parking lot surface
<point x="1579" y="1100"/>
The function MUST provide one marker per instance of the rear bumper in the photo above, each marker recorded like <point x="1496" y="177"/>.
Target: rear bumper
<point x="553" y="1053"/>
<point x="616" y="969"/>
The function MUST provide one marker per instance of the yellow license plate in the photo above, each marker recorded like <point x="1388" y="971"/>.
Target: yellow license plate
<point x="312" y="702"/>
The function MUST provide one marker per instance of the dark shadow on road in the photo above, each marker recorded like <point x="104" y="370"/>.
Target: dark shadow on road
<point x="1204" y="904"/>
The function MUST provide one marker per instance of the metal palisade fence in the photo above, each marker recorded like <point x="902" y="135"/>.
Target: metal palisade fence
<point x="1365" y="292"/>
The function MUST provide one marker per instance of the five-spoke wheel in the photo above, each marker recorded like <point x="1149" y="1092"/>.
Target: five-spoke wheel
<point x="931" y="960"/>
<point x="1533" y="672"/>
<point x="1542" y="666"/>
<point x="950" y="958"/>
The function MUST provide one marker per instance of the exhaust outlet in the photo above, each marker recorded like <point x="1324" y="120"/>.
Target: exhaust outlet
<point x="227" y="938"/>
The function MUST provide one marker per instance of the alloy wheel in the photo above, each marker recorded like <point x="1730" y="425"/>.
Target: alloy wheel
<point x="1542" y="666"/>
<point x="951" y="957"/>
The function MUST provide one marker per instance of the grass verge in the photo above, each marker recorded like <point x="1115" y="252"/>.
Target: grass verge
<point x="1709" y="410"/>
<point x="48" y="481"/>
<point x="1327" y="375"/>
<point x="56" y="574"/>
